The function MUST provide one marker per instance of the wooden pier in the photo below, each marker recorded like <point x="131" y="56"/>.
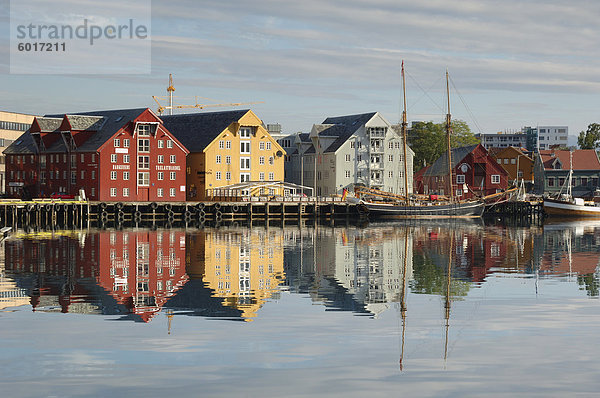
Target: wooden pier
<point x="519" y="212"/>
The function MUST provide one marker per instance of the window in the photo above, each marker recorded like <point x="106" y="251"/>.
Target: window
<point x="271" y="160"/>
<point x="161" y="159"/>
<point x="126" y="192"/>
<point x="221" y="144"/>
<point x="143" y="162"/>
<point x="261" y="176"/>
<point x="173" y="159"/>
<point x="169" y="144"/>
<point x="161" y="144"/>
<point x="228" y="144"/>
<point x="245" y="132"/>
<point x="93" y="174"/>
<point x="218" y="176"/>
<point x="245" y="147"/>
<point x="117" y="142"/>
<point x="550" y="181"/>
<point x="228" y="176"/>
<point x="125" y="158"/>
<point x="160" y="176"/>
<point x="82" y="175"/>
<point x="268" y="146"/>
<point x="459" y="192"/>
<point x="125" y="176"/>
<point x="359" y="158"/>
<point x="171" y="192"/>
<point x="144" y="178"/>
<point x="261" y="146"/>
<point x="113" y="192"/>
<point x="261" y="160"/>
<point x="113" y="175"/>
<point x="244" y="177"/>
<point x="513" y="161"/>
<point x="159" y="192"/>
<point x="227" y="159"/>
<point x="73" y="177"/>
<point x="495" y="179"/>
<point x="143" y="130"/>
<point x="173" y="175"/>
<point x="113" y="158"/>
<point x="218" y="159"/>
<point x="505" y="161"/>
<point x="271" y="176"/>
<point x="348" y="158"/>
<point x="245" y="163"/>
<point x="126" y="143"/>
<point x="144" y="145"/>
<point x="352" y="144"/>
<point x="82" y="158"/>
<point x="347" y="173"/>
<point x="561" y="181"/>
<point x="460" y="179"/>
<point x="391" y="174"/>
<point x="584" y="181"/>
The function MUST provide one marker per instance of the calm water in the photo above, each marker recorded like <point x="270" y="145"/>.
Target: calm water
<point x="424" y="310"/>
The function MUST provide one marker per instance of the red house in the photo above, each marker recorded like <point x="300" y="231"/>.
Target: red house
<point x="474" y="173"/>
<point x="117" y="155"/>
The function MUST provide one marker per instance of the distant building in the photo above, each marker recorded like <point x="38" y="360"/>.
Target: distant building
<point x="531" y="138"/>
<point x="348" y="151"/>
<point x="503" y="140"/>
<point x="552" y="168"/>
<point x="12" y="125"/>
<point x="474" y="173"/>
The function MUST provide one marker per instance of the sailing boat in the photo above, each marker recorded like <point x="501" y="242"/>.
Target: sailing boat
<point x="408" y="208"/>
<point x="565" y="205"/>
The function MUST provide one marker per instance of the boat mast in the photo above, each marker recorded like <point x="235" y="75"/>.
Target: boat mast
<point x="448" y="131"/>
<point x="403" y="297"/>
<point x="404" y="128"/>
<point x="447" y="301"/>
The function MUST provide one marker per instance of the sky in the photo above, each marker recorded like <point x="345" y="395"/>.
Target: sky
<point x="511" y="63"/>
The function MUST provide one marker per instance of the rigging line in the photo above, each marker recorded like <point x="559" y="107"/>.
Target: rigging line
<point x="425" y="93"/>
<point x="466" y="106"/>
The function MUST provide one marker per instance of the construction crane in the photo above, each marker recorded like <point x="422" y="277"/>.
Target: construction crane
<point x="171" y="106"/>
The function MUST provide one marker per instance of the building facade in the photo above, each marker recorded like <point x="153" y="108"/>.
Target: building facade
<point x="12" y="125"/>
<point x="348" y="151"/>
<point x="517" y="164"/>
<point x="531" y="138"/>
<point x="118" y="155"/>
<point x="226" y="149"/>
<point x="552" y="167"/>
<point x="474" y="173"/>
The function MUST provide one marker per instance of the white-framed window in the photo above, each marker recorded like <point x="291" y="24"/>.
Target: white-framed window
<point x="218" y="160"/>
<point x="227" y="159"/>
<point x="348" y="158"/>
<point x="173" y="159"/>
<point x="161" y="159"/>
<point x="113" y="158"/>
<point x="245" y="132"/>
<point x="143" y="130"/>
<point x="261" y="160"/>
<point x="82" y="175"/>
<point x="391" y="158"/>
<point x="271" y="176"/>
<point x="144" y="145"/>
<point x="513" y="161"/>
<point x="125" y="176"/>
<point x="228" y="176"/>
<point x="144" y="178"/>
<point x="93" y="174"/>
<point x="160" y="192"/>
<point x="173" y="175"/>
<point x="169" y="144"/>
<point x="347" y="173"/>
<point x="113" y="175"/>
<point x="245" y="163"/>
<point x="117" y="142"/>
<point x="268" y="146"/>
<point x="160" y="175"/>
<point x="261" y="146"/>
<point x="172" y="192"/>
<point x="125" y="192"/>
<point x="125" y="142"/>
<point x="143" y="162"/>
<point x="81" y="158"/>
<point x="93" y="192"/>
<point x="113" y="192"/>
<point x="244" y="146"/>
<point x="459" y="192"/>
<point x="218" y="176"/>
<point x="244" y="177"/>
<point x="221" y="144"/>
<point x="125" y="158"/>
<point x="261" y="176"/>
<point x="460" y="178"/>
<point x="495" y="179"/>
<point x="227" y="144"/>
<point x="161" y="144"/>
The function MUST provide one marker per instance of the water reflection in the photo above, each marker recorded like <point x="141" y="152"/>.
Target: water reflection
<point x="231" y="273"/>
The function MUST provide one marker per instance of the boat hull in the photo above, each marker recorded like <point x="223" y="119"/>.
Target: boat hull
<point x="447" y="210"/>
<point x="567" y="209"/>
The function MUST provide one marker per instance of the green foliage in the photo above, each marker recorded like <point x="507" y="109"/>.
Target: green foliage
<point x="429" y="278"/>
<point x="589" y="139"/>
<point x="428" y="140"/>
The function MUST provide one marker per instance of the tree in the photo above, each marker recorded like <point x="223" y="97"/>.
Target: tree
<point x="428" y="140"/>
<point x="590" y="138"/>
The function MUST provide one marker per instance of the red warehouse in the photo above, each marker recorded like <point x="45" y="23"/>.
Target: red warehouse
<point x="117" y="155"/>
<point x="474" y="173"/>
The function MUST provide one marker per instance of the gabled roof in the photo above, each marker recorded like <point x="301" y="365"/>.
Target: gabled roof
<point x="440" y="166"/>
<point x="48" y="124"/>
<point x="196" y="130"/>
<point x="583" y="159"/>
<point x="82" y="122"/>
<point x="22" y="145"/>
<point x="344" y="127"/>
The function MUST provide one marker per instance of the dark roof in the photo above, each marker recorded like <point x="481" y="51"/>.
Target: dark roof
<point x="22" y="145"/>
<point x="196" y="130"/>
<point x="48" y="124"/>
<point x="440" y="166"/>
<point x="343" y="127"/>
<point x="81" y="122"/>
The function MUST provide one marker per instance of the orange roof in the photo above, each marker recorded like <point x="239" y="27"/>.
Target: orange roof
<point x="583" y="159"/>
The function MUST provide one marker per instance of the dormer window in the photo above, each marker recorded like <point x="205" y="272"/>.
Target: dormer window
<point x="144" y="130"/>
<point x="245" y="132"/>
